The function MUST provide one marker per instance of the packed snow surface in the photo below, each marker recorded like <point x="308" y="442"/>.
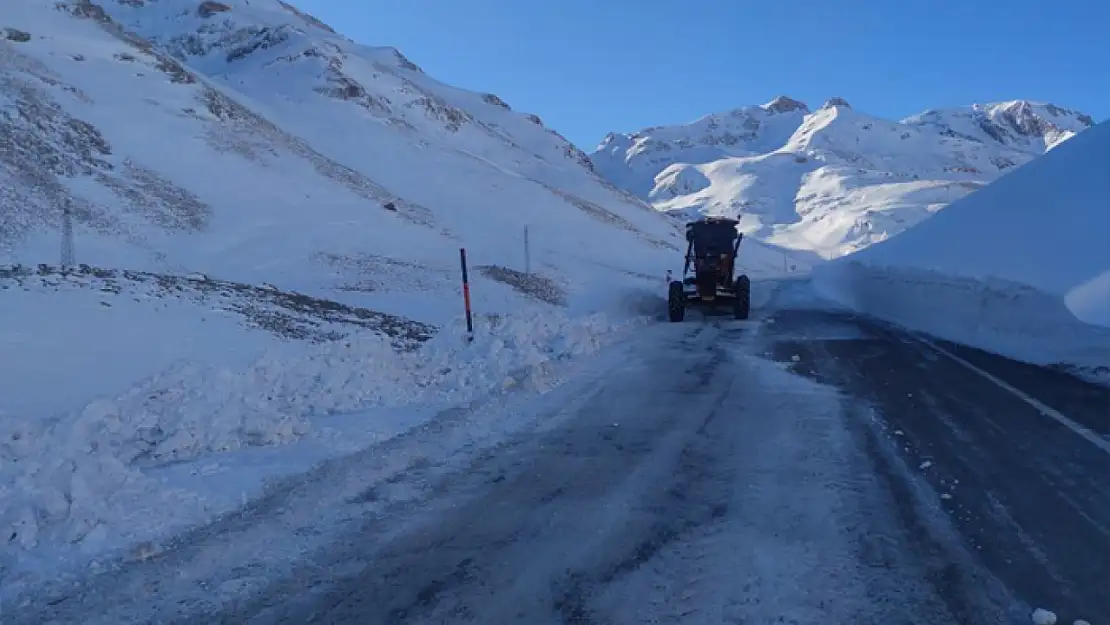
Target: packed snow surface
<point x="836" y="179"/>
<point x="1021" y="267"/>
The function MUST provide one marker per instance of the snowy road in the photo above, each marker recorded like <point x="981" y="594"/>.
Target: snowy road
<point x="695" y="484"/>
<point x="681" y="477"/>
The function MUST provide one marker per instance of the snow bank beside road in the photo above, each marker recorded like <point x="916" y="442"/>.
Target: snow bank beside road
<point x="1008" y="318"/>
<point x="1021" y="267"/>
<point x="1090" y="301"/>
<point x="82" y="485"/>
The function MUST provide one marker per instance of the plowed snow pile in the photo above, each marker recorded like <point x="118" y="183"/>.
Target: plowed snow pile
<point x="95" y="481"/>
<point x="1020" y="268"/>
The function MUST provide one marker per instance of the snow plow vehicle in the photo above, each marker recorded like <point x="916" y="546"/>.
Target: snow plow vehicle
<point x="708" y="275"/>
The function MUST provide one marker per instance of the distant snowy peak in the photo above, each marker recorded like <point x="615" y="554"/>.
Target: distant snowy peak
<point x="835" y="179"/>
<point x="783" y="104"/>
<point x="1019" y="123"/>
<point x="632" y="161"/>
<point x="834" y="102"/>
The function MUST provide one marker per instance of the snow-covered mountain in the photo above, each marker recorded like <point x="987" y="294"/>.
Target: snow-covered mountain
<point x="248" y="140"/>
<point x="264" y="213"/>
<point x="833" y="180"/>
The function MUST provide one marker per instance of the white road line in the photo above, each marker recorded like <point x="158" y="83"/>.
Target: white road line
<point x="1091" y="436"/>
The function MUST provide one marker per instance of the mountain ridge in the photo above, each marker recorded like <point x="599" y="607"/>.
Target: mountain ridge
<point x="835" y="179"/>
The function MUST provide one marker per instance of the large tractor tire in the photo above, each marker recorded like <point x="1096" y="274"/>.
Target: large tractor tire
<point x="676" y="302"/>
<point x="742" y="304"/>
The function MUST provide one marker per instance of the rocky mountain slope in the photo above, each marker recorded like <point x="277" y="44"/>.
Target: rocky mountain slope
<point x="247" y="140"/>
<point x="831" y="180"/>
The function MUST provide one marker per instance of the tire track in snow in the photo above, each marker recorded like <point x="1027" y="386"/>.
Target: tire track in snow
<point x="686" y="468"/>
<point x="803" y="539"/>
<point x="527" y="534"/>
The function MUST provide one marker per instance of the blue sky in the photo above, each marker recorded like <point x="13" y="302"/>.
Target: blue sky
<point x="588" y="67"/>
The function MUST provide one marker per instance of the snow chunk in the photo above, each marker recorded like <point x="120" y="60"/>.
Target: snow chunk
<point x="1043" y="617"/>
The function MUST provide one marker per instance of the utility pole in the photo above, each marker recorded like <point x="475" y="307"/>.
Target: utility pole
<point x="67" y="235"/>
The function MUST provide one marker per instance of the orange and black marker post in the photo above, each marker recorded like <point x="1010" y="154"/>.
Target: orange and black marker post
<point x="466" y="296"/>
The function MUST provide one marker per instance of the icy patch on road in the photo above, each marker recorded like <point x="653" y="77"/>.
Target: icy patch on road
<point x="92" y="481"/>
<point x="1007" y="318"/>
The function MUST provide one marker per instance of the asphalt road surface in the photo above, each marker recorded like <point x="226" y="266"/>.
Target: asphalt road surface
<point x="1017" y="457"/>
<point x="805" y="467"/>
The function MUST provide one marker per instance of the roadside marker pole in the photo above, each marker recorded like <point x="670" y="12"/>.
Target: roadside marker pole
<point x="527" y="254"/>
<point x="466" y="296"/>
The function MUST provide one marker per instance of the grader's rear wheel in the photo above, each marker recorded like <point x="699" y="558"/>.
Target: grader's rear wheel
<point x="742" y="304"/>
<point x="676" y="302"/>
